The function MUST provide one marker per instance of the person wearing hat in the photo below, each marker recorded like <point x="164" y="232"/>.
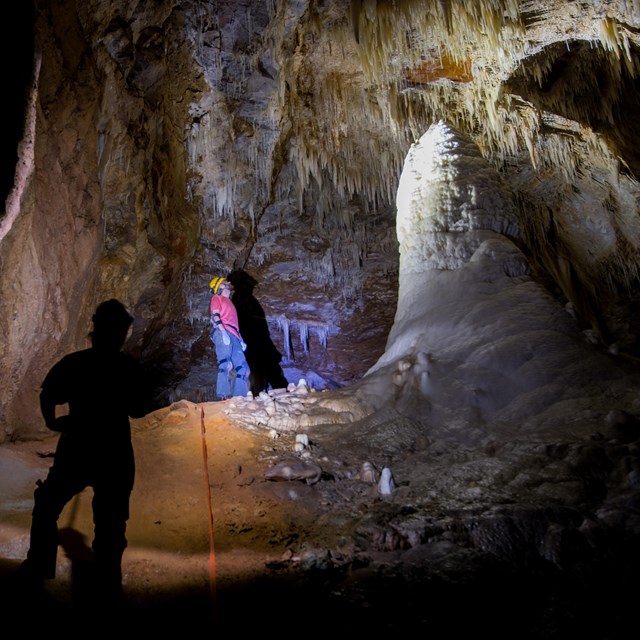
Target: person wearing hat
<point x="233" y="369"/>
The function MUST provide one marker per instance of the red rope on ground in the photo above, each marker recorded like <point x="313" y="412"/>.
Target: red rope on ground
<point x="212" y="555"/>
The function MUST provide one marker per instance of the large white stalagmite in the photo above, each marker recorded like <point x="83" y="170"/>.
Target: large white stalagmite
<point x="478" y="350"/>
<point x="477" y="345"/>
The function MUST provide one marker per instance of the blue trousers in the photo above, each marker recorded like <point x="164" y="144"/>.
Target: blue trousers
<point x="233" y="370"/>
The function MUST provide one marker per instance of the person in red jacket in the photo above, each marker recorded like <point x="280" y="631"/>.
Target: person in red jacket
<point x="233" y="369"/>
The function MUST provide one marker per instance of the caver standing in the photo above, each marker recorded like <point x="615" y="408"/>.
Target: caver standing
<point x="233" y="370"/>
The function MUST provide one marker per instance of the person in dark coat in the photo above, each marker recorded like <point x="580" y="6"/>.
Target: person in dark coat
<point x="102" y="387"/>
<point x="262" y="355"/>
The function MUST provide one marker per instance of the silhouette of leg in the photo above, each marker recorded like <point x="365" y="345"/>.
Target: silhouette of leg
<point x="80" y="555"/>
<point x="50" y="498"/>
<point x="110" y="514"/>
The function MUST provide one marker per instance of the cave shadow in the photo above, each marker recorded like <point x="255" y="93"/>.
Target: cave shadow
<point x="84" y="587"/>
<point x="368" y="600"/>
<point x="46" y="605"/>
<point x="261" y="353"/>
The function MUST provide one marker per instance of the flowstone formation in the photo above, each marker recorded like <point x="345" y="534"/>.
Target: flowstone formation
<point x="478" y="345"/>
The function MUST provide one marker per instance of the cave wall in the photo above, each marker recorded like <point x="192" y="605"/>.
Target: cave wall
<point x="49" y="251"/>
<point x="171" y="141"/>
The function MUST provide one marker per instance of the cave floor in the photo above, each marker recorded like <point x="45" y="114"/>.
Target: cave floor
<point x="214" y="545"/>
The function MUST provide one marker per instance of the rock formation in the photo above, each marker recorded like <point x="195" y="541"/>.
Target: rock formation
<point x="440" y="203"/>
<point x="166" y="142"/>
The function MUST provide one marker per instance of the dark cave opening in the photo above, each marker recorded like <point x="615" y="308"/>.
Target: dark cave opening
<point x="18" y="22"/>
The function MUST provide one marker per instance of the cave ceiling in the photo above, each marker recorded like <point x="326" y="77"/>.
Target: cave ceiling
<point x="167" y="142"/>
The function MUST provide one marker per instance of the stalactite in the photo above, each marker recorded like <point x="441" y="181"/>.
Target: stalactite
<point x="305" y="330"/>
<point x="283" y="324"/>
<point x="330" y="158"/>
<point x="304" y="336"/>
<point x="322" y="332"/>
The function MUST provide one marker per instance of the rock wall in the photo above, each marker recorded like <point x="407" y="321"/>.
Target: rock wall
<point x="169" y="142"/>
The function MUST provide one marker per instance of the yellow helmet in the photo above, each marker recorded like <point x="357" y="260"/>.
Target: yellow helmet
<point x="214" y="285"/>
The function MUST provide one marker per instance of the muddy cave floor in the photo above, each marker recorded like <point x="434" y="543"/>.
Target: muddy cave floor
<point x="213" y="544"/>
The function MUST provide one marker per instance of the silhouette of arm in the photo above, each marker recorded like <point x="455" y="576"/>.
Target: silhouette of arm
<point x="51" y="395"/>
<point x="48" y="409"/>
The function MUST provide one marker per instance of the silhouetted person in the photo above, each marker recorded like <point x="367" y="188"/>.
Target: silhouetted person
<point x="262" y="355"/>
<point x="103" y="387"/>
